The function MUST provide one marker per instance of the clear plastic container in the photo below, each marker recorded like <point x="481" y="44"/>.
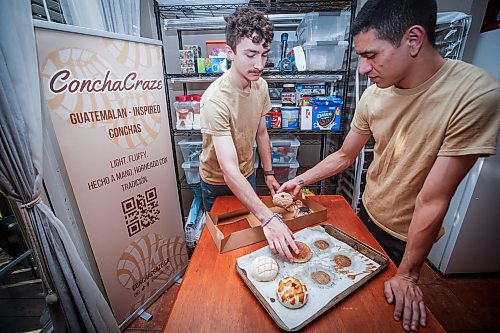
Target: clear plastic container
<point x="325" y="56"/>
<point x="191" y="150"/>
<point x="192" y="172"/>
<point x="195" y="105"/>
<point x="214" y="47"/>
<point x="284" y="149"/>
<point x="285" y="171"/>
<point x="324" y="26"/>
<point x="184" y="112"/>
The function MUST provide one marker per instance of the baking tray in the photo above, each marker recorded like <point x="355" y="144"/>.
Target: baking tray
<point x="341" y="236"/>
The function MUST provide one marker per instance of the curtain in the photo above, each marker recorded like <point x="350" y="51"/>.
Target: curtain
<point x="120" y="16"/>
<point x="73" y="298"/>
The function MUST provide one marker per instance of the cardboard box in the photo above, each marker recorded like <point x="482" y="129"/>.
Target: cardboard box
<point x="253" y="233"/>
<point x="215" y="48"/>
<point x="306" y="118"/>
<point x="311" y="89"/>
<point x="215" y="65"/>
<point x="195" y="49"/>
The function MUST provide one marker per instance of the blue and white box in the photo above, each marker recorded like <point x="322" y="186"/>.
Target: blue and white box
<point x="326" y="113"/>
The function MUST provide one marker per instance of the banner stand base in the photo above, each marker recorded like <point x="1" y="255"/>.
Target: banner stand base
<point x="145" y="315"/>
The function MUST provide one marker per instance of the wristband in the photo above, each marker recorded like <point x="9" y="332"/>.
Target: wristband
<point x="269" y="173"/>
<point x="276" y="215"/>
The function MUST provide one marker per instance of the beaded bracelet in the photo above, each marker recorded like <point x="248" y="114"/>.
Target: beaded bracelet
<point x="276" y="215"/>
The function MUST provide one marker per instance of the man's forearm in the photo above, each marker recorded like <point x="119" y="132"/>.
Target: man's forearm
<point x="242" y="189"/>
<point x="424" y="228"/>
<point x="331" y="165"/>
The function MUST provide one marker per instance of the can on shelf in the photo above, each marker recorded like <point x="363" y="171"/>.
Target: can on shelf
<point x="273" y="117"/>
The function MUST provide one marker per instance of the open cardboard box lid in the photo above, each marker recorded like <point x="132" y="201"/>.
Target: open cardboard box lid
<point x="252" y="232"/>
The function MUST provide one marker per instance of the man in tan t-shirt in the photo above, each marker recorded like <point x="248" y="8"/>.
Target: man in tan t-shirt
<point x="232" y="114"/>
<point x="431" y="119"/>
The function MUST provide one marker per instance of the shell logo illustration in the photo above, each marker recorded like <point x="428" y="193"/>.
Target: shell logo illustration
<point x="148" y="263"/>
<point x="133" y="55"/>
<point x="73" y="102"/>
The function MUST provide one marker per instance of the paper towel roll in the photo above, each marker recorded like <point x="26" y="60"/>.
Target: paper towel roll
<point x="300" y="58"/>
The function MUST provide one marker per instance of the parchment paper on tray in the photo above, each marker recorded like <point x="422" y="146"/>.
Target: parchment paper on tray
<point x="339" y="265"/>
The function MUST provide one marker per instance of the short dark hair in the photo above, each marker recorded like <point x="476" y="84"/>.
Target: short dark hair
<point x="245" y="22"/>
<point x="390" y="19"/>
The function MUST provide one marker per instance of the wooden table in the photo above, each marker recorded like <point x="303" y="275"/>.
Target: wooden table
<point x="213" y="297"/>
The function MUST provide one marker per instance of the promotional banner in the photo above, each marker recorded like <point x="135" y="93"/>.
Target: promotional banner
<point x="106" y="99"/>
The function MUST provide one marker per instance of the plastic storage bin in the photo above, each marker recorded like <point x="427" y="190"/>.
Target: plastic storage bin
<point x="214" y="47"/>
<point x="325" y="56"/>
<point x="324" y="26"/>
<point x="284" y="150"/>
<point x="285" y="171"/>
<point x="191" y="150"/>
<point x="192" y="171"/>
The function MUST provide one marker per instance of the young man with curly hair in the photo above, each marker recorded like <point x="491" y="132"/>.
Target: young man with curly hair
<point x="431" y="119"/>
<point x="233" y="110"/>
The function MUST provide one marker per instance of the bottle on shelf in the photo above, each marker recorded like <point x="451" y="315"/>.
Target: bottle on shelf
<point x="184" y="112"/>
<point x="195" y="105"/>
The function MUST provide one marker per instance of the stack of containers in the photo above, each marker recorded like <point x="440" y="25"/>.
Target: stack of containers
<point x="284" y="152"/>
<point x="188" y="57"/>
<point x="191" y="151"/>
<point x="322" y="38"/>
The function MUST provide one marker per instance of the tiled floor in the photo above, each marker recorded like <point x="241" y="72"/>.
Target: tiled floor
<point x="466" y="303"/>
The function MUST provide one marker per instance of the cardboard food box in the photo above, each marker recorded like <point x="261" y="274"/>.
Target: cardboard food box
<point x="240" y="228"/>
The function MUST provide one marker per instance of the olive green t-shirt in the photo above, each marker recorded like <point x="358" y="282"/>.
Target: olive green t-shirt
<point x="456" y="112"/>
<point x="226" y="110"/>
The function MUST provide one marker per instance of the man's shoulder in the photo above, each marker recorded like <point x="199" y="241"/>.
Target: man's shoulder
<point x="217" y="90"/>
<point x="464" y="73"/>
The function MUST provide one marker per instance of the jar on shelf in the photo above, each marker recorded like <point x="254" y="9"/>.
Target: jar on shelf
<point x="273" y="117"/>
<point x="195" y="105"/>
<point x="288" y="95"/>
<point x="184" y="112"/>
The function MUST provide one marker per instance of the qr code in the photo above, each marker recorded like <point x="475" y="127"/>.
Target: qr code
<point x="141" y="211"/>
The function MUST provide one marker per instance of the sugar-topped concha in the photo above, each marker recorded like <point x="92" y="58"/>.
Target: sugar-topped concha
<point x="264" y="269"/>
<point x="292" y="292"/>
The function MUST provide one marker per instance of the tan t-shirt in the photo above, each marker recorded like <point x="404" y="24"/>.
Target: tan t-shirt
<point x="456" y="112"/>
<point x="226" y="110"/>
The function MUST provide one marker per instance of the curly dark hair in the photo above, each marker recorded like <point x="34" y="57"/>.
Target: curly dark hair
<point x="245" y="22"/>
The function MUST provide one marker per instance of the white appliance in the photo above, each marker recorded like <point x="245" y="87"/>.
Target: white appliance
<point x="471" y="243"/>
